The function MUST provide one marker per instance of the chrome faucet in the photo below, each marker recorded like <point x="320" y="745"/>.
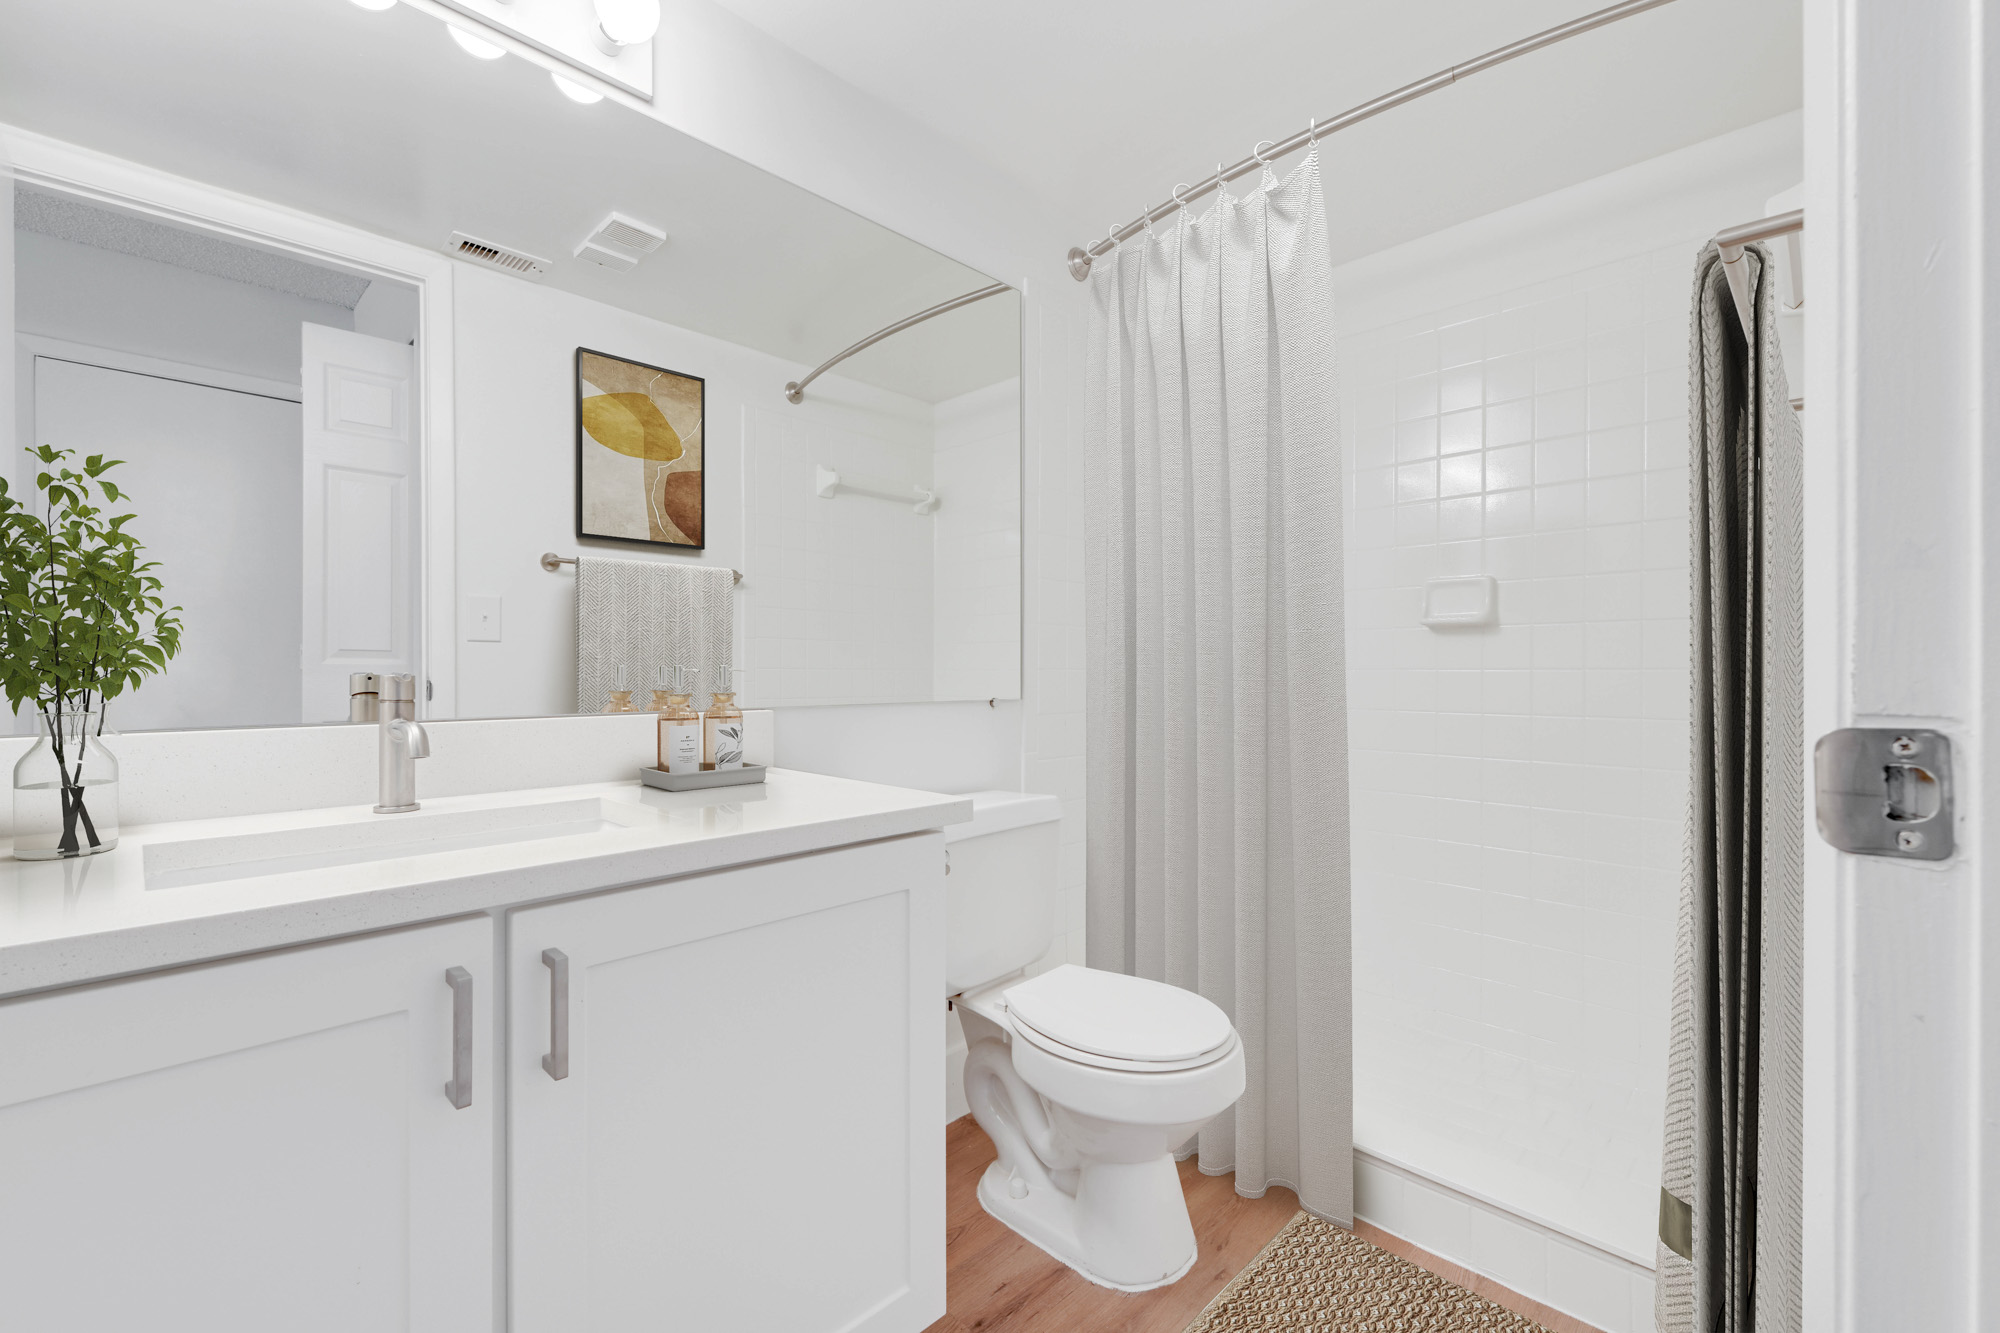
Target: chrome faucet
<point x="400" y="742"/>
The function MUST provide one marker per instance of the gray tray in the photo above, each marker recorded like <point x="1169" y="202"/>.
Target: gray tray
<point x="713" y="777"/>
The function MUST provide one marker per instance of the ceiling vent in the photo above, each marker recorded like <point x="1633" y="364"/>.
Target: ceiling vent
<point x="591" y="253"/>
<point x="627" y="236"/>
<point x="499" y="256"/>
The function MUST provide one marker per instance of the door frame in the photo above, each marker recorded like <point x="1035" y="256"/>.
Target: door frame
<point x="51" y="164"/>
<point x="1902" y="628"/>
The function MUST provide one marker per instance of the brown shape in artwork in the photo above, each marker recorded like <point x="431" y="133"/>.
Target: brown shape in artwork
<point x="680" y="497"/>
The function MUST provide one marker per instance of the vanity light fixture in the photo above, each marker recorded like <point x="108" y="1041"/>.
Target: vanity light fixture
<point x="476" y="47"/>
<point x="622" y="23"/>
<point x="575" y="91"/>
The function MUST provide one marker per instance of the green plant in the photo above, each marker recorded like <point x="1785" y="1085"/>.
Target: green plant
<point x="82" y="619"/>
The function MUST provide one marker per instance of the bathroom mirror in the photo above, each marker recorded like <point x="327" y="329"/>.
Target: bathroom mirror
<point x="340" y="290"/>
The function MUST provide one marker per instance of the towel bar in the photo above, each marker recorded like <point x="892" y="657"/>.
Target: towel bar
<point x="552" y="562"/>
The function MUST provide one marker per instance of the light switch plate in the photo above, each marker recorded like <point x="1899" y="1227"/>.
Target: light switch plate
<point x="482" y="620"/>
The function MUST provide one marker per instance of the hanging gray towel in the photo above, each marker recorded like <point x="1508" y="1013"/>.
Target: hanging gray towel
<point x="645" y="614"/>
<point x="1730" y="1224"/>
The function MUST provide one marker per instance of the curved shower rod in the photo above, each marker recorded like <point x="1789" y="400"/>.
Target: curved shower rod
<point x="795" y="392"/>
<point x="1080" y="257"/>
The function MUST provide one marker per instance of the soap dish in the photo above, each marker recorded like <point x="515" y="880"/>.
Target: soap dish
<point x="708" y="777"/>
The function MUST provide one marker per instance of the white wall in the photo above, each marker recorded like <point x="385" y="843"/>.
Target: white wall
<point x="977" y="584"/>
<point x="836" y="599"/>
<point x="731" y="86"/>
<point x="102" y="298"/>
<point x="1516" y="399"/>
<point x="215" y="480"/>
<point x="388" y="310"/>
<point x="838" y="587"/>
<point x="215" y="473"/>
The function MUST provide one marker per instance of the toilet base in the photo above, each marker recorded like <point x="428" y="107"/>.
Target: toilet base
<point x="1070" y="1228"/>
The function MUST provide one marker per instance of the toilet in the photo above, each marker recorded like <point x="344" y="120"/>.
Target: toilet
<point x="1086" y="1081"/>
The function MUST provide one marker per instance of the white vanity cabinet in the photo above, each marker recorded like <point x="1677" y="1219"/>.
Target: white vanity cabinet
<point x="259" y="1144"/>
<point x="723" y="1100"/>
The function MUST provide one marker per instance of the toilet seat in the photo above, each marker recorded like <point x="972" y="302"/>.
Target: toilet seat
<point x="1114" y="1021"/>
<point x="1028" y="1032"/>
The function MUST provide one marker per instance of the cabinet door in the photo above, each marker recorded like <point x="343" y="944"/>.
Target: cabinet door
<point x="749" y="1131"/>
<point x="254" y="1145"/>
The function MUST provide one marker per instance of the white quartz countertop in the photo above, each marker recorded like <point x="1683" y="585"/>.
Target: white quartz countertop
<point x="66" y="922"/>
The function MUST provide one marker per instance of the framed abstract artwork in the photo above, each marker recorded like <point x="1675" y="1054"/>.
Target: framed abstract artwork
<point x="638" y="452"/>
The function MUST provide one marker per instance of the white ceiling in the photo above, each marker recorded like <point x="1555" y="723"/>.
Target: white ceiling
<point x="378" y="120"/>
<point x="1101" y="106"/>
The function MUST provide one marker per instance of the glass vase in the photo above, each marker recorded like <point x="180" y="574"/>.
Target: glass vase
<point x="66" y="791"/>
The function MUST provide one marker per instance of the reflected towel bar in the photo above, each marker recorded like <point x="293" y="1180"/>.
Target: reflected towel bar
<point x="553" y="562"/>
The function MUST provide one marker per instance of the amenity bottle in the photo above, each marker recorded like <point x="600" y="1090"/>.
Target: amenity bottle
<point x="722" y="727"/>
<point x="621" y="696"/>
<point x="680" y="726"/>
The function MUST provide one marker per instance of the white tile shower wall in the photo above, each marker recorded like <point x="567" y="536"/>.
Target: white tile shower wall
<point x="843" y="610"/>
<point x="1519" y="411"/>
<point x="977" y="577"/>
<point x="1518" y="789"/>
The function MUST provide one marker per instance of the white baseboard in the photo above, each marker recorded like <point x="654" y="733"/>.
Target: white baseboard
<point x="1602" y="1287"/>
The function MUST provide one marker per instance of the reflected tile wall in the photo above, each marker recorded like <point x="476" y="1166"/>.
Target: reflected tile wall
<point x="977" y="615"/>
<point x="1518" y="789"/>
<point x="840" y="609"/>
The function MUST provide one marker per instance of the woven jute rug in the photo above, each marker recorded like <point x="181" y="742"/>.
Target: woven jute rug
<point x="1316" y="1278"/>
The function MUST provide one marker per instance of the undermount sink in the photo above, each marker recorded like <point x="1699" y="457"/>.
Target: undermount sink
<point x="386" y="838"/>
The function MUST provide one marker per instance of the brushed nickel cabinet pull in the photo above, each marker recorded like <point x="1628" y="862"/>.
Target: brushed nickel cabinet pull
<point x="459" y="1089"/>
<point x="556" y="1062"/>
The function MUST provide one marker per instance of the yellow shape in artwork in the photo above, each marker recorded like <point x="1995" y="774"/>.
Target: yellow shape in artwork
<point x="631" y="424"/>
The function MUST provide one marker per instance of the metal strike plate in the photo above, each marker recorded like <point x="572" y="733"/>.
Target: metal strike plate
<point x="1884" y="791"/>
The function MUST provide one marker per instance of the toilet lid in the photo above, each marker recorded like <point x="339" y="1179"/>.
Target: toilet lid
<point x="1126" y="1018"/>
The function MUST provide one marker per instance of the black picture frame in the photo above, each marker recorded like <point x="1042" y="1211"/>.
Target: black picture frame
<point x="577" y="395"/>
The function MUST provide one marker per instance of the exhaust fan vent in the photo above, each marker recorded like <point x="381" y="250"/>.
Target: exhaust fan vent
<point x="630" y="235"/>
<point x="499" y="256"/>
<point x="603" y="258"/>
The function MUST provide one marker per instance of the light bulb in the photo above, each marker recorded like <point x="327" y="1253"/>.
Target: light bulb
<point x="376" y="5"/>
<point x="575" y="91"/>
<point x="628" y="22"/>
<point x="477" y="47"/>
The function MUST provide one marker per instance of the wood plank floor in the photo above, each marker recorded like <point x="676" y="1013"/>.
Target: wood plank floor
<point x="997" y="1282"/>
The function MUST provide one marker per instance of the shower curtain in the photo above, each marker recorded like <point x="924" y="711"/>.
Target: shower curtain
<point x="1216" y="709"/>
<point x="1730" y="1225"/>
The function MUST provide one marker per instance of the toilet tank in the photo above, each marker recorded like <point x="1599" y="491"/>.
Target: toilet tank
<point x="1001" y="895"/>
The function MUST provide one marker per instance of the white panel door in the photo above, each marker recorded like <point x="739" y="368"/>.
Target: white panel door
<point x="213" y="475"/>
<point x="254" y="1145"/>
<point x="749" y="1135"/>
<point x="360" y="548"/>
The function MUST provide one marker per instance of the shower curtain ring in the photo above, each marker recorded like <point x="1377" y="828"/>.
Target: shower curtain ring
<point x="1258" y="151"/>
<point x="1312" y="130"/>
<point x="1177" y="195"/>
